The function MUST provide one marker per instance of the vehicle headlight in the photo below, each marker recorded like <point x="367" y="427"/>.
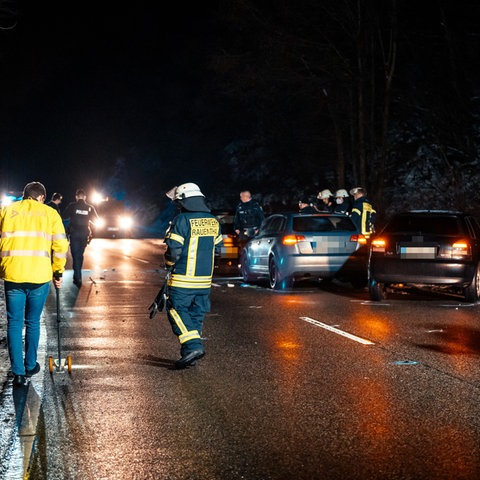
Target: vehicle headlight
<point x="100" y="222"/>
<point x="126" y="222"/>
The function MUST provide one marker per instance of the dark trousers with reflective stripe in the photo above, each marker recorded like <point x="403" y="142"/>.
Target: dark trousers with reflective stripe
<point x="186" y="309"/>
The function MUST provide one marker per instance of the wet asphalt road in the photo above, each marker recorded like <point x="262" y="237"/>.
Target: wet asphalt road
<point x="279" y="395"/>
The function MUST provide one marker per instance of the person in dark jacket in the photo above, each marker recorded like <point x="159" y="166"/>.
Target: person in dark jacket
<point x="55" y="201"/>
<point x="325" y="203"/>
<point x="305" y="206"/>
<point x="363" y="214"/>
<point x="248" y="217"/>
<point x="80" y="215"/>
<point x="192" y="239"/>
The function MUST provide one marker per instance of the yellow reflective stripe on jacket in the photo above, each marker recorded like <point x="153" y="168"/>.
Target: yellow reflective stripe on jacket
<point x="188" y="281"/>
<point x="59" y="236"/>
<point x="191" y="257"/>
<point x="176" y="237"/>
<point x="26" y="234"/>
<point x="24" y="253"/>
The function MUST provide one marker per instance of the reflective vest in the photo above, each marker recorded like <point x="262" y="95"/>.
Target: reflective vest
<point x="194" y="235"/>
<point x="363" y="215"/>
<point x="33" y="243"/>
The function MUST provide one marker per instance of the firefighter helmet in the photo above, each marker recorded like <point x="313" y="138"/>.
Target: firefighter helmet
<point x="325" y="194"/>
<point x="359" y="190"/>
<point x="341" y="193"/>
<point x="187" y="190"/>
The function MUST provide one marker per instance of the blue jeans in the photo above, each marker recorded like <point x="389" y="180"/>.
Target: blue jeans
<point x="25" y="302"/>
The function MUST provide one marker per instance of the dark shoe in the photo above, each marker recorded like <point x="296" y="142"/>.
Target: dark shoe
<point x="33" y="371"/>
<point x="189" y="359"/>
<point x="20" y="381"/>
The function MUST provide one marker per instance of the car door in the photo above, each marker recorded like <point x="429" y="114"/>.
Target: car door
<point x="261" y="244"/>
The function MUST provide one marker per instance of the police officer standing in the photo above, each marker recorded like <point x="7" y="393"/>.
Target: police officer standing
<point x="81" y="215"/>
<point x="191" y="240"/>
<point x="363" y="214"/>
<point x="248" y="217"/>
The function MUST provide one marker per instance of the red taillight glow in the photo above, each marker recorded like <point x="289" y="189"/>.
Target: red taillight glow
<point x="292" y="239"/>
<point x="461" y="247"/>
<point x="379" y="244"/>
<point x="360" y="239"/>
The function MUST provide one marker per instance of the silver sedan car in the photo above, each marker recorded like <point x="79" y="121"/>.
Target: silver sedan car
<point x="292" y="246"/>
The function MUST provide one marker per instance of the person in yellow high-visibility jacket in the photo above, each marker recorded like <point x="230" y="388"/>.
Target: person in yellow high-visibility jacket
<point x="33" y="246"/>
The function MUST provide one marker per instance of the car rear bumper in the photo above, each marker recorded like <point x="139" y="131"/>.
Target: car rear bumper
<point x="323" y="267"/>
<point x="421" y="272"/>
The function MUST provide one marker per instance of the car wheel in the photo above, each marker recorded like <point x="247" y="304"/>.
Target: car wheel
<point x="472" y="292"/>
<point x="244" y="271"/>
<point x="276" y="281"/>
<point x="376" y="290"/>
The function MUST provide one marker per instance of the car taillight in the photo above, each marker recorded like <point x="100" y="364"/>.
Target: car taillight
<point x="227" y="241"/>
<point x="292" y="239"/>
<point x="461" y="248"/>
<point x="359" y="238"/>
<point x="379" y="245"/>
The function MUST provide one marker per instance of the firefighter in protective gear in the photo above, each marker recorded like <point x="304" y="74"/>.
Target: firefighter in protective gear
<point x="342" y="202"/>
<point x="33" y="246"/>
<point x="325" y="204"/>
<point x="192" y="238"/>
<point x="363" y="214"/>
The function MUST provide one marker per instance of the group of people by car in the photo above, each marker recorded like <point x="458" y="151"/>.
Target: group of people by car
<point x="360" y="209"/>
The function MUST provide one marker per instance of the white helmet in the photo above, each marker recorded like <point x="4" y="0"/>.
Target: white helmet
<point x="187" y="190"/>
<point x="341" y="193"/>
<point x="325" y="194"/>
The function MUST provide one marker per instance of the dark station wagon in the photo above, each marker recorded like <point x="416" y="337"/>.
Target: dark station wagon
<point x="427" y="248"/>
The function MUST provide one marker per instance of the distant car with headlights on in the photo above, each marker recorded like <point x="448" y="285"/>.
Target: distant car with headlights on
<point x="114" y="225"/>
<point x="292" y="246"/>
<point x="427" y="248"/>
<point x="228" y="260"/>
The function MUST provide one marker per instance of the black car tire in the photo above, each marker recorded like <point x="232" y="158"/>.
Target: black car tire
<point x="246" y="275"/>
<point x="472" y="292"/>
<point x="376" y="290"/>
<point x="275" y="280"/>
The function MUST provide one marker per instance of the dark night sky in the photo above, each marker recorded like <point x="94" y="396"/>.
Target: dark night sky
<point x="85" y="85"/>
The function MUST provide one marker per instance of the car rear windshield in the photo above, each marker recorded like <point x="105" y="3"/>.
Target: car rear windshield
<point x="437" y="225"/>
<point x="323" y="224"/>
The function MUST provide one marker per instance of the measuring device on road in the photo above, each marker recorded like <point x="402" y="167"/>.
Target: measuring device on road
<point x="59" y="364"/>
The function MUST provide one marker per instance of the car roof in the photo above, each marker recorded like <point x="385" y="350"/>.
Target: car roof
<point x="434" y="212"/>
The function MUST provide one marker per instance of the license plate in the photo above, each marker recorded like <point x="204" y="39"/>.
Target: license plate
<point x="418" y="252"/>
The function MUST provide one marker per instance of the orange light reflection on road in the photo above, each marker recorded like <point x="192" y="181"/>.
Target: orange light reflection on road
<point x="374" y="326"/>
